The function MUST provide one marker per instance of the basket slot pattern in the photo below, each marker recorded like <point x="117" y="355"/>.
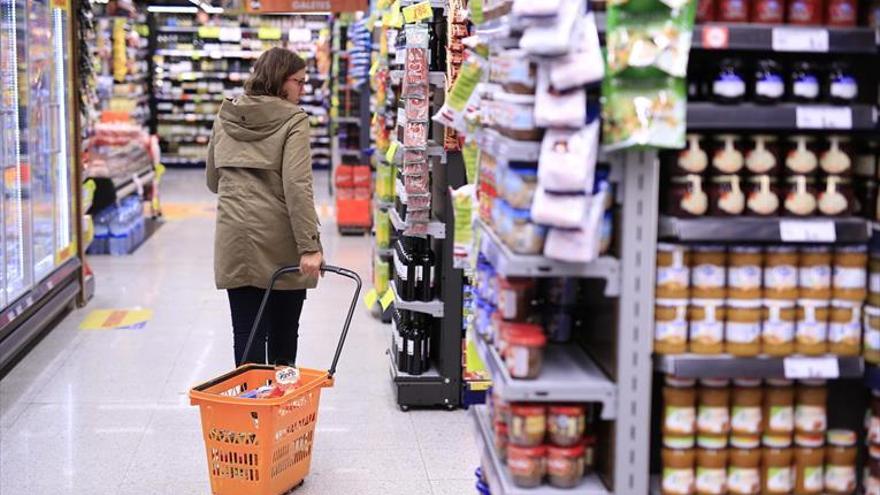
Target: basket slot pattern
<point x="282" y="459"/>
<point x="233" y="437"/>
<point x="235" y="465"/>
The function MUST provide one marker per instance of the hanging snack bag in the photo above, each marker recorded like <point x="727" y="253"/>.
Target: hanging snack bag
<point x="462" y="98"/>
<point x="556" y="108"/>
<point x="568" y="159"/>
<point x="583" y="244"/>
<point x="553" y="38"/>
<point x="644" y="112"/>
<point x="531" y="8"/>
<point x="565" y="211"/>
<point x="660" y="39"/>
<point x="415" y="82"/>
<point x="584" y="64"/>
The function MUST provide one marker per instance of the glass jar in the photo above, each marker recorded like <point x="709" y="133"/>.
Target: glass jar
<point x="778" y="413"/>
<point x="836" y="197"/>
<point x="801" y="156"/>
<point x="762" y="158"/>
<point x="843" y="13"/>
<point x="762" y="195"/>
<point x="527" y="465"/>
<point x="685" y="197"/>
<point x="515" y="297"/>
<point x="732" y="11"/>
<point x="524" y="349"/>
<point x="693" y="159"/>
<point x="501" y="439"/>
<point x="670" y="326"/>
<point x="845" y="328"/>
<point x="711" y="473"/>
<point x="705" y="11"/>
<point x="528" y="425"/>
<point x="679" y="407"/>
<point x="840" y="462"/>
<point x="673" y="271"/>
<point x="809" y="457"/>
<point x="769" y="84"/>
<point x="744" y="466"/>
<point x="873" y="420"/>
<point x="727" y="158"/>
<point x="565" y="466"/>
<point x="745" y="410"/>
<point x="678" y="476"/>
<point x="776" y="462"/>
<point x="850" y="273"/>
<point x="804" y="76"/>
<point x="713" y="410"/>
<point x="729" y="86"/>
<point x="706" y="326"/>
<point x="744" y="271"/>
<point x="810" y="410"/>
<point x="778" y="328"/>
<point x="566" y="424"/>
<point x="871" y="340"/>
<point x="708" y="272"/>
<point x="814" y="273"/>
<point x="872" y="471"/>
<point x="781" y="265"/>
<point x="837" y="158"/>
<point x="768" y="12"/>
<point x="874" y="280"/>
<point x="811" y="330"/>
<point x="800" y="196"/>
<point x="743" y="328"/>
<point x="726" y="197"/>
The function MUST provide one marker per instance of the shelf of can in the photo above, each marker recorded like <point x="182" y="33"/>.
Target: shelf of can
<point x="568" y="374"/>
<point x="437" y="78"/>
<point x="510" y="264"/>
<point x="704" y="116"/>
<point x="770" y="229"/>
<point x="436" y="229"/>
<point x="498" y="476"/>
<point x="760" y="37"/>
<point x="762" y="366"/>
<point x="433" y="308"/>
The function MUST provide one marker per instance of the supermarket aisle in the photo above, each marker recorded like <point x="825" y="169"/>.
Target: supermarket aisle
<point x="95" y="412"/>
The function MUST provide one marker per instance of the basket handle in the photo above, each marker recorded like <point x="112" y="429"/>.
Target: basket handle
<point x="344" y="272"/>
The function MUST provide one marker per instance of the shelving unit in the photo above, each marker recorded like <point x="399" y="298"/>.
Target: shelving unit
<point x="433" y="308"/>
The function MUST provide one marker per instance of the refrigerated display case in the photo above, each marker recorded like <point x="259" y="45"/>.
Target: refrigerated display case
<point x="37" y="160"/>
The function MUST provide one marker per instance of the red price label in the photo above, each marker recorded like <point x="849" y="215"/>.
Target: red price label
<point x="716" y="37"/>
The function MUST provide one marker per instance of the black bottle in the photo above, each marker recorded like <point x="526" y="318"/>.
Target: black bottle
<point x="729" y="85"/>
<point x="769" y="85"/>
<point x="804" y="82"/>
<point x="841" y="85"/>
<point x="425" y="288"/>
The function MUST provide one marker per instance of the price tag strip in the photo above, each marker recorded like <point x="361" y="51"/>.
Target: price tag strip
<point x="807" y="231"/>
<point x="800" y="368"/>
<point x="798" y="39"/>
<point x="822" y="117"/>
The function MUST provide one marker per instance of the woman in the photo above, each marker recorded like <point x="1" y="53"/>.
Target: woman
<point x="260" y="165"/>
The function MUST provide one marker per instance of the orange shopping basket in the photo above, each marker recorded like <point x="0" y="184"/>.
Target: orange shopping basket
<point x="263" y="446"/>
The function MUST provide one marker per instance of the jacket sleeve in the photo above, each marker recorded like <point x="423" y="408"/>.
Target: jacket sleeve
<point x="210" y="170"/>
<point x="296" y="175"/>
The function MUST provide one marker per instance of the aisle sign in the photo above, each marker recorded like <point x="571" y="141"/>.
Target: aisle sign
<point x="206" y="32"/>
<point x="822" y="117"/>
<point x="800" y="368"/>
<point x="807" y="231"/>
<point x="418" y="12"/>
<point x="371" y="298"/>
<point x="798" y="39"/>
<point x="271" y="33"/>
<point x="302" y="6"/>
<point x="387" y="299"/>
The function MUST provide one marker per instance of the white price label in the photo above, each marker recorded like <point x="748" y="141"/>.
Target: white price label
<point x="807" y="231"/>
<point x="823" y="117"/>
<point x="794" y="39"/>
<point x="300" y="35"/>
<point x="230" y="34"/>
<point x="799" y="368"/>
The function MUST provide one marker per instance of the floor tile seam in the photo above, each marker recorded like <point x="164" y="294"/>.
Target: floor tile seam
<point x="135" y="452"/>
<point x="421" y="454"/>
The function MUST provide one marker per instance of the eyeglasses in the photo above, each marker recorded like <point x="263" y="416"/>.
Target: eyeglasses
<point x="301" y="82"/>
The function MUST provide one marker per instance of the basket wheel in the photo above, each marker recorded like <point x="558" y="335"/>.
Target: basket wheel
<point x="298" y="485"/>
<point x="404" y="408"/>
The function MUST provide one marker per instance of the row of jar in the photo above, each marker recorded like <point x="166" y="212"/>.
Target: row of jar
<point x="797" y="12"/>
<point x="811" y="465"/>
<point x="771" y="327"/>
<point x="728" y="154"/>
<point x="751" y="273"/>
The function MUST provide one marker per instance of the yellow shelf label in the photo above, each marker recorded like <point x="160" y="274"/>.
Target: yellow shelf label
<point x="269" y="33"/>
<point x="374" y="68"/>
<point x="209" y="32"/>
<point x="387" y="299"/>
<point x="393" y="17"/>
<point x="418" y="12"/>
<point x="371" y="298"/>
<point x="392" y="150"/>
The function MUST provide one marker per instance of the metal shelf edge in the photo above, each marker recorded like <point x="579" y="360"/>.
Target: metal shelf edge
<point x="433" y="308"/>
<point x="727" y="366"/>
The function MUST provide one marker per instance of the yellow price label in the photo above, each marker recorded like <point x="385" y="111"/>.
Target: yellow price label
<point x="418" y="12"/>
<point x="374" y="68"/>
<point x="209" y="32"/>
<point x="384" y="4"/>
<point x="392" y="151"/>
<point x="387" y="298"/>
<point x="371" y="298"/>
<point x="269" y="33"/>
<point x="393" y="18"/>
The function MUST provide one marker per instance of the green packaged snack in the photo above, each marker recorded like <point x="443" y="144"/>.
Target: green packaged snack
<point x="657" y="39"/>
<point x="644" y="112"/>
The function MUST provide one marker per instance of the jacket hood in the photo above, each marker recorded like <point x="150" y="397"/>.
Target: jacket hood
<point x="253" y="118"/>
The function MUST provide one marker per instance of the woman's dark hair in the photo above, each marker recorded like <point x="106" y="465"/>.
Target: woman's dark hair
<point x="271" y="71"/>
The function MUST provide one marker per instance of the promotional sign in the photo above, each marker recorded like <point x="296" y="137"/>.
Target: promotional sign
<point x="301" y="6"/>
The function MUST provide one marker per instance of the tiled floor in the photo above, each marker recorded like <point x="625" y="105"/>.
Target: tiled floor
<point x="107" y="412"/>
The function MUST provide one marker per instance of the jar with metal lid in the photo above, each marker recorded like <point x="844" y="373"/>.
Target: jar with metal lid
<point x="809" y="457"/>
<point x="726" y="197"/>
<point x="872" y="471"/>
<point x="527" y="465"/>
<point x="693" y="159"/>
<point x="743" y="328"/>
<point x="836" y="196"/>
<point x="768" y="12"/>
<point x="769" y="83"/>
<point x="566" y="424"/>
<point x="850" y="273"/>
<point x="679" y="407"/>
<point x="814" y="273"/>
<point x="778" y="328"/>
<point x="670" y="326"/>
<point x="528" y="424"/>
<point x="729" y="85"/>
<point x="811" y="407"/>
<point x="800" y="196"/>
<point x="744" y="466"/>
<point x="733" y="11"/>
<point x="871" y="339"/>
<point x="762" y="195"/>
<point x="811" y="330"/>
<point x="804" y="78"/>
<point x="801" y="157"/>
<point x="840" y="462"/>
<point x="745" y="408"/>
<point x="781" y="273"/>
<point x="727" y="158"/>
<point x="565" y="466"/>
<point x="776" y="463"/>
<point x="778" y="413"/>
<point x="842" y="86"/>
<point x="673" y="271"/>
<point x="708" y="272"/>
<point x="842" y="13"/>
<point x="685" y="196"/>
<point x="837" y="158"/>
<point x="706" y="326"/>
<point x="744" y="271"/>
<point x="845" y="328"/>
<point x="874" y="280"/>
<point x="678" y="459"/>
<point x="762" y="158"/>
<point x="711" y="472"/>
<point x="713" y="409"/>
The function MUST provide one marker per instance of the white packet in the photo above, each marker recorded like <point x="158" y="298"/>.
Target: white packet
<point x="553" y="39"/>
<point x="566" y="211"/>
<point x="553" y="109"/>
<point x="536" y="8"/>
<point x="581" y="245"/>
<point x="584" y="64"/>
<point x="568" y="159"/>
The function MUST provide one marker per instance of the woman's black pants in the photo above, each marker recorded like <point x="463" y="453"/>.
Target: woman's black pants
<point x="280" y="324"/>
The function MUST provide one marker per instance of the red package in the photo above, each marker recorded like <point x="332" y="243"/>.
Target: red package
<point x="768" y="12"/>
<point x="415" y="135"/>
<point x="417" y="109"/>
